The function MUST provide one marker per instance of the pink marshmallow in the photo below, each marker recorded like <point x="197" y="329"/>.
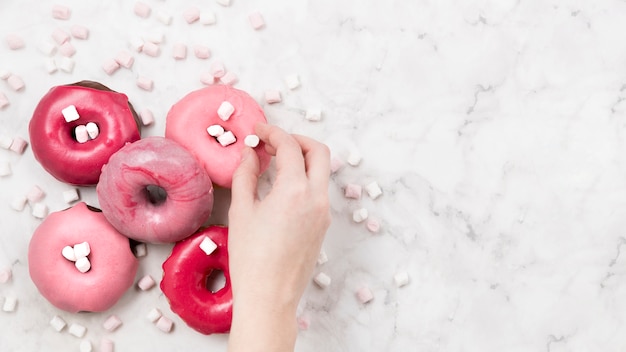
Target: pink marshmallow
<point x="60" y="36"/>
<point x="164" y="324"/>
<point x="142" y="9"/>
<point x="217" y="69"/>
<point x="364" y="295"/>
<point x="303" y="322"/>
<point x="18" y="145"/>
<point x="14" y="42"/>
<point x="207" y="78"/>
<point x="124" y="58"/>
<point x="146" y="116"/>
<point x="5" y="275"/>
<point x="67" y="49"/>
<point x="146" y="283"/>
<point x="15" y="82"/>
<point x="191" y="15"/>
<point x="373" y="225"/>
<point x="151" y="49"/>
<point x="180" y="51"/>
<point x="229" y="78"/>
<point x="336" y="164"/>
<point x="353" y="191"/>
<point x="256" y="20"/>
<point x="107" y="345"/>
<point x="273" y="96"/>
<point x="79" y="32"/>
<point x="145" y="83"/>
<point x="61" y="12"/>
<point x="35" y="194"/>
<point x="4" y="101"/>
<point x="202" y="52"/>
<point x="110" y="66"/>
<point x="112" y="323"/>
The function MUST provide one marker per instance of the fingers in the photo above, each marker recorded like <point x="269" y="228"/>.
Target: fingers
<point x="289" y="158"/>
<point x="245" y="178"/>
<point x="316" y="159"/>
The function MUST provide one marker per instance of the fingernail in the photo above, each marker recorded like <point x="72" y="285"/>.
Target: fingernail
<point x="245" y="153"/>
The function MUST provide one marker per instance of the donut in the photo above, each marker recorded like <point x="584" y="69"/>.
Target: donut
<point x="113" y="265"/>
<point x="154" y="190"/>
<point x="54" y="141"/>
<point x="185" y="275"/>
<point x="188" y="120"/>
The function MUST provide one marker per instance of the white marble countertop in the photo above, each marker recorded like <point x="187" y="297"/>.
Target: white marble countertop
<point x="495" y="129"/>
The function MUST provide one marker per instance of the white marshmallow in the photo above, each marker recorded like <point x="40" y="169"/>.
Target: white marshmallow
<point x="364" y="295"/>
<point x="180" y="51"/>
<point x="71" y="195"/>
<point x="50" y="65"/>
<point x="80" y="132"/>
<point x="191" y="15"/>
<point x="18" y="145"/>
<point x="252" y="140"/>
<point x="141" y="250"/>
<point x="68" y="253"/>
<point x="354" y="159"/>
<point x="223" y="2"/>
<point x="145" y="83"/>
<point x="19" y="203"/>
<point x="229" y="78"/>
<point x="359" y="215"/>
<point x="273" y="96"/>
<point x="225" y="110"/>
<point x="5" y="168"/>
<point x="292" y="81"/>
<point x="313" y="114"/>
<point x="125" y="59"/>
<point x="15" y="82"/>
<point x="61" y="12"/>
<point x="322" y="257"/>
<point x="322" y="280"/>
<point x="79" y="32"/>
<point x="82" y="250"/>
<point x="373" y="190"/>
<point x="107" y="345"/>
<point x="5" y="275"/>
<point x="92" y="130"/>
<point x="110" y="66"/>
<point x="112" y="323"/>
<point x="4" y="73"/>
<point x="227" y="139"/>
<point x="10" y="303"/>
<point x="164" y="17"/>
<point x="215" y="130"/>
<point x="207" y="246"/>
<point x="202" y="52"/>
<point x="83" y="265"/>
<point x="154" y="314"/>
<point x="146" y="283"/>
<point x="40" y="210"/>
<point x="401" y="279"/>
<point x="57" y="323"/>
<point x="207" y="18"/>
<point x="256" y="20"/>
<point x="146" y="116"/>
<point x="77" y="330"/>
<point x="85" y="346"/>
<point x="217" y="69"/>
<point x="70" y="113"/>
<point x="66" y="64"/>
<point x="47" y="48"/>
<point x="142" y="9"/>
<point x="5" y="142"/>
<point x="207" y="78"/>
<point x="164" y="324"/>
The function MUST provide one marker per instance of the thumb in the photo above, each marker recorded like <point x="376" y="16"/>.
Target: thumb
<point x="246" y="177"/>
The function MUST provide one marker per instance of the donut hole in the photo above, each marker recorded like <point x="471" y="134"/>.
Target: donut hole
<point x="156" y="195"/>
<point x="215" y="281"/>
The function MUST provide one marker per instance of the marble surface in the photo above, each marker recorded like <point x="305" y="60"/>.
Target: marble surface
<point x="495" y="129"/>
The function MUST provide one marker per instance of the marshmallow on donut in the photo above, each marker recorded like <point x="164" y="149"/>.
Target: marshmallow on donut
<point x="154" y="190"/>
<point x="113" y="265"/>
<point x="185" y="275"/>
<point x="53" y="130"/>
<point x="188" y="120"/>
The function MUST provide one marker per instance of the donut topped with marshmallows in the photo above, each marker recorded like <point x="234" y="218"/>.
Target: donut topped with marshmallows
<point x="215" y="123"/>
<point x="76" y="128"/>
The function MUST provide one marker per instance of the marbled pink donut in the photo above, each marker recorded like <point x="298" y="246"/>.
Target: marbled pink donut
<point x="113" y="265"/>
<point x="125" y="199"/>
<point x="187" y="123"/>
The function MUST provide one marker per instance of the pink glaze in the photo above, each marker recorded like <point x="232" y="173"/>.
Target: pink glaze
<point x="122" y="191"/>
<point x="113" y="265"/>
<point x="189" y="118"/>
<point x="52" y="137"/>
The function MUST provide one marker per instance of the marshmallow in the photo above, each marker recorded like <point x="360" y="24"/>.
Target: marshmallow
<point x="180" y="51"/>
<point x="83" y="265"/>
<point x="70" y="113"/>
<point x="107" y="345"/>
<point x="303" y="322"/>
<point x="77" y="330"/>
<point x="154" y="314"/>
<point x="68" y="253"/>
<point x="145" y="83"/>
<point x="125" y="59"/>
<point x="146" y="116"/>
<point x="35" y="194"/>
<point x="57" y="323"/>
<point x="10" y="303"/>
<point x="141" y="250"/>
<point x="5" y="142"/>
<point x="251" y="140"/>
<point x="223" y="2"/>
<point x="151" y="49"/>
<point x="112" y="323"/>
<point x="215" y="130"/>
<point x="146" y="283"/>
<point x="202" y="52"/>
<point x="80" y="132"/>
<point x="18" y="145"/>
<point x="229" y="78"/>
<point x="322" y="280"/>
<point x="217" y="69"/>
<point x="110" y="66"/>
<point x="154" y="37"/>
<point x="4" y="73"/>
<point x="373" y="190"/>
<point x="322" y="257"/>
<point x="79" y="32"/>
<point x="313" y="114"/>
<point x="353" y="191"/>
<point x="19" y="203"/>
<point x="85" y="346"/>
<point x="15" y="82"/>
<point x="207" y="78"/>
<point x="227" y="139"/>
<point x="207" y="246"/>
<point x="292" y="81"/>
<point x="273" y="96"/>
<point x="40" y="210"/>
<point x="256" y="20"/>
<point x="359" y="215"/>
<point x="47" y="48"/>
<point x="4" y="101"/>
<point x="164" y="324"/>
<point x="66" y="64"/>
<point x="14" y="42"/>
<point x="225" y="110"/>
<point x="191" y="15"/>
<point x="5" y="275"/>
<point x="92" y="130"/>
<point x="142" y="9"/>
<point x="401" y="279"/>
<point x="164" y="17"/>
<point x="82" y="250"/>
<point x="5" y="168"/>
<point x="364" y="295"/>
<point x="207" y="18"/>
<point x="71" y="195"/>
<point x="50" y="65"/>
<point x="373" y="225"/>
<point x="60" y="36"/>
<point x="354" y="159"/>
<point x="61" y="12"/>
<point x="67" y="49"/>
<point x="136" y="44"/>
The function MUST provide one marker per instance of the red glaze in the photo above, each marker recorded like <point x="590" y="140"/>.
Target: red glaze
<point x="189" y="118"/>
<point x="113" y="265"/>
<point x="185" y="274"/>
<point x="52" y="138"/>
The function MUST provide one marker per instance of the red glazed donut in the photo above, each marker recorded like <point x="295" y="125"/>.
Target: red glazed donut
<point x="188" y="120"/>
<point x="184" y="282"/>
<point x="53" y="141"/>
<point x="113" y="265"/>
<point x="153" y="190"/>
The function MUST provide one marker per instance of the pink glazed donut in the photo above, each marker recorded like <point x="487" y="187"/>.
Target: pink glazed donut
<point x="188" y="120"/>
<point x="113" y="265"/>
<point x="153" y="190"/>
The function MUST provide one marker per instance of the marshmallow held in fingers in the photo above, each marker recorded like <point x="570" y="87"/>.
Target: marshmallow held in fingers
<point x="252" y="140"/>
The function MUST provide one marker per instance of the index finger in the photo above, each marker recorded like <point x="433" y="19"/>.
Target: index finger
<point x="317" y="161"/>
<point x="289" y="158"/>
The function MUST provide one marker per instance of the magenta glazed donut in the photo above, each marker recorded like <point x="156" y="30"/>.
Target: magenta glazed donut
<point x="188" y="120"/>
<point x="113" y="265"/>
<point x="154" y="190"/>
<point x="54" y="140"/>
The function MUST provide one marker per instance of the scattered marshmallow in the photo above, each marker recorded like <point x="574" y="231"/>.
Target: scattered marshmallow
<point x="164" y="324"/>
<point x="364" y="295"/>
<point x="5" y="169"/>
<point x="5" y="275"/>
<point x="202" y="52"/>
<point x="151" y="49"/>
<point x="303" y="321"/>
<point x="207" y="78"/>
<point x="60" y="36"/>
<point x="110" y="66"/>
<point x="292" y="81"/>
<point x="112" y="323"/>
<point x="92" y="130"/>
<point x="229" y="78"/>
<point x="145" y="83"/>
<point x="146" y="283"/>
<point x="373" y="190"/>
<point x="141" y="250"/>
<point x="79" y="32"/>
<point x="322" y="257"/>
<point x="208" y="246"/>
<point x="19" y="203"/>
<point x="15" y="82"/>
<point x="40" y="210"/>
<point x="322" y="280"/>
<point x="223" y="2"/>
<point x="142" y="9"/>
<point x="215" y="130"/>
<point x="191" y="15"/>
<point x="125" y="59"/>
<point x="71" y="195"/>
<point x="70" y="113"/>
<point x="154" y="314"/>
<point x="85" y="346"/>
<point x="5" y="142"/>
<point x="35" y="194"/>
<point x="10" y="303"/>
<point x="164" y="17"/>
<point x="77" y="330"/>
<point x="217" y="69"/>
<point x="180" y="51"/>
<point x="82" y="264"/>
<point x="14" y="41"/>
<point x="18" y="145"/>
<point x="47" y="48"/>
<point x="273" y="96"/>
<point x="256" y="20"/>
<point x="227" y="139"/>
<point x="50" y="65"/>
<point x="68" y="253"/>
<point x="4" y="73"/>
<point x="252" y="140"/>
<point x="146" y="116"/>
<point x="401" y="279"/>
<point x="360" y="215"/>
<point x="225" y="110"/>
<point x="66" y="64"/>
<point x="61" y="12"/>
<point x="354" y="159"/>
<point x="107" y="345"/>
<point x="82" y="250"/>
<point x="136" y="44"/>
<point x="207" y="18"/>
<point x="373" y="225"/>
<point x="313" y="114"/>
<point x="80" y="132"/>
<point x="353" y="191"/>
<point x="4" y="101"/>
<point x="57" y="323"/>
<point x="67" y="49"/>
